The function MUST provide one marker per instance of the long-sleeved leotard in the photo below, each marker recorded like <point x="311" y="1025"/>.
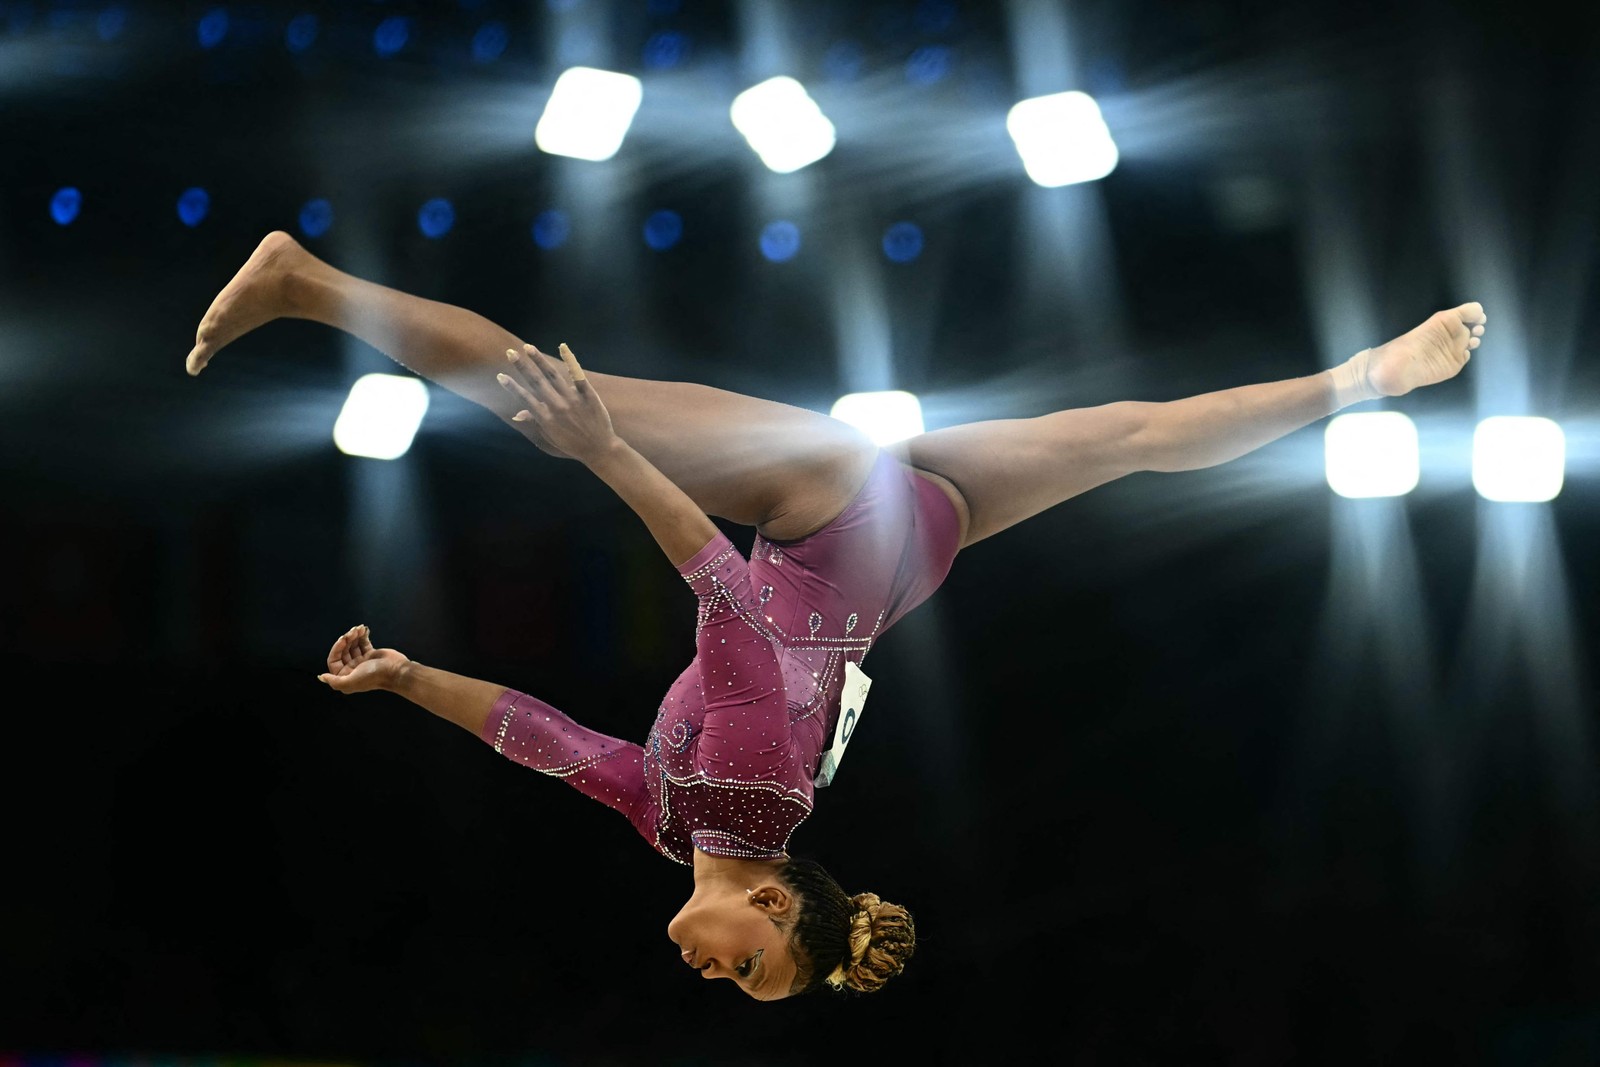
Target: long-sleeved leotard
<point x="728" y="766"/>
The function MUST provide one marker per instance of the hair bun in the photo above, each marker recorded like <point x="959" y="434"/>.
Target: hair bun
<point x="882" y="938"/>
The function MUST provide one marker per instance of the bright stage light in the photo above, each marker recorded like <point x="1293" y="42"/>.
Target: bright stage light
<point x="1062" y="138"/>
<point x="886" y="417"/>
<point x="783" y="125"/>
<point x="380" y="416"/>
<point x="1518" y="459"/>
<point x="588" y="114"/>
<point x="1372" y="453"/>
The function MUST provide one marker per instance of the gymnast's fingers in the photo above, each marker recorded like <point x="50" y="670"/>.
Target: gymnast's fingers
<point x="536" y="364"/>
<point x="572" y="363"/>
<point x="521" y="392"/>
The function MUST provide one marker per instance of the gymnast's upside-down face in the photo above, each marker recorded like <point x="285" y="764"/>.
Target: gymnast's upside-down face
<point x="738" y="934"/>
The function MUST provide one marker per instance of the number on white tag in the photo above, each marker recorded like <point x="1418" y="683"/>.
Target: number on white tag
<point x="851" y="702"/>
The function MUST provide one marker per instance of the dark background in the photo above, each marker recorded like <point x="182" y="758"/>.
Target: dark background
<point x="1214" y="767"/>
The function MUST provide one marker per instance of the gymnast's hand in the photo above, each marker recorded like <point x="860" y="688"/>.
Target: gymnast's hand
<point x="561" y="402"/>
<point x="354" y="666"/>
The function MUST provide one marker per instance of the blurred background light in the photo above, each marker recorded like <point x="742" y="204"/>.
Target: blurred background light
<point x="1371" y="453"/>
<point x="193" y="204"/>
<point x="381" y="415"/>
<point x="665" y="50"/>
<point x="663" y="229"/>
<point x="391" y="35"/>
<point x="551" y="229"/>
<point x="902" y="242"/>
<point x="301" y="33"/>
<point x="782" y="124"/>
<point x="780" y="240"/>
<point x="65" y="204"/>
<point x="888" y="416"/>
<point x="843" y="61"/>
<point x="316" y="217"/>
<point x="489" y="43"/>
<point x="588" y="113"/>
<point x="929" y="64"/>
<point x="212" y="27"/>
<point x="436" y="217"/>
<point x="1062" y="138"/>
<point x="935" y="16"/>
<point x="1518" y="458"/>
<point x="111" y="22"/>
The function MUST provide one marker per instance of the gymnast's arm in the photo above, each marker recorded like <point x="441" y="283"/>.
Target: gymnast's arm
<point x="520" y="727"/>
<point x="571" y="416"/>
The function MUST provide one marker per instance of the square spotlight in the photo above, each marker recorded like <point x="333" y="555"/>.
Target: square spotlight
<point x="380" y="416"/>
<point x="885" y="417"/>
<point x="588" y="113"/>
<point x="1062" y="139"/>
<point x="783" y="125"/>
<point x="1372" y="453"/>
<point x="1518" y="459"/>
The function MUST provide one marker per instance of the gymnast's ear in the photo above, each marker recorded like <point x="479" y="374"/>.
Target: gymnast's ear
<point x="772" y="898"/>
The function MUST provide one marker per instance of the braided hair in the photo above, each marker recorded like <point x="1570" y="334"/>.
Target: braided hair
<point x="844" y="942"/>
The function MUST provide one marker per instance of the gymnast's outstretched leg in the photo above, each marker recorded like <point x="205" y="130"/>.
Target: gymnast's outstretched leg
<point x="1007" y="470"/>
<point x="784" y="469"/>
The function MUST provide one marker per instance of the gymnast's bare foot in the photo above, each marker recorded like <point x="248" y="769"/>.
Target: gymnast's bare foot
<point x="256" y="295"/>
<point x="1431" y="353"/>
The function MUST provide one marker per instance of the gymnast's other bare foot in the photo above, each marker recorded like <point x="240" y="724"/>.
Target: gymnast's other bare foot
<point x="256" y="295"/>
<point x="1431" y="353"/>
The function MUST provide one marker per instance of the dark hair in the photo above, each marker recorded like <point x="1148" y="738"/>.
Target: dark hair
<point x="841" y="941"/>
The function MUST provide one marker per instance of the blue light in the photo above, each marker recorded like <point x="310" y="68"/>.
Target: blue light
<point x="391" y="35"/>
<point x="843" y="61"/>
<point x="902" y="242"/>
<point x="436" y="218"/>
<point x="213" y="27"/>
<point x="193" y="205"/>
<point x="489" y="42"/>
<point x="935" y="16"/>
<point x="112" y="21"/>
<point x="928" y="64"/>
<point x="665" y="50"/>
<point x="561" y="5"/>
<point x="301" y="33"/>
<point x="662" y="230"/>
<point x="316" y="217"/>
<point x="551" y="229"/>
<point x="780" y="240"/>
<point x="65" y="204"/>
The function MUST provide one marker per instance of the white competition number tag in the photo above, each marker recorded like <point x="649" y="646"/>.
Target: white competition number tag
<point x="851" y="701"/>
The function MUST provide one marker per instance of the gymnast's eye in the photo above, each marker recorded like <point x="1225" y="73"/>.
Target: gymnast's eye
<point x="748" y="967"/>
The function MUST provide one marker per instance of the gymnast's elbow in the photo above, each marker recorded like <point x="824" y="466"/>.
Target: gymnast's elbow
<point x="1138" y="439"/>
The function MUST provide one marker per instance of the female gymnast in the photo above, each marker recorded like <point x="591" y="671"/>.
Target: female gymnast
<point x="849" y="538"/>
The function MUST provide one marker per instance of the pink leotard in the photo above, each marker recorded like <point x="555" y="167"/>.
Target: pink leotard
<point x="728" y="766"/>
